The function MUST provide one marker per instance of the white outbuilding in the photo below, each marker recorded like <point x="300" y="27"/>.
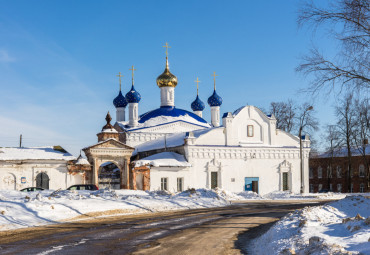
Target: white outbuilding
<point x="49" y="167"/>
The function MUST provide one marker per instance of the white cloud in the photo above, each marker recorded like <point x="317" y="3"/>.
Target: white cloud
<point x="5" y="58"/>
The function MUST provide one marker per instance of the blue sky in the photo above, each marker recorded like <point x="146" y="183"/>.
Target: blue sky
<point x="59" y="60"/>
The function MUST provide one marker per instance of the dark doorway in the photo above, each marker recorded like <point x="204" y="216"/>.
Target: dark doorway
<point x="255" y="186"/>
<point x="285" y="181"/>
<point x="251" y="184"/>
<point x="109" y="176"/>
<point x="42" y="181"/>
<point x="214" y="182"/>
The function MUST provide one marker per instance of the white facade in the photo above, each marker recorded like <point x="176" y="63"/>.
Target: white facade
<point x="247" y="148"/>
<point x="20" y="168"/>
<point x="17" y="175"/>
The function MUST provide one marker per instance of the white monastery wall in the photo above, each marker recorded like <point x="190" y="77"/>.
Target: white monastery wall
<point x="11" y="175"/>
<point x="171" y="173"/>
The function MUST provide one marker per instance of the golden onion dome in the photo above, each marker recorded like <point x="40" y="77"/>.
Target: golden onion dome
<point x="167" y="79"/>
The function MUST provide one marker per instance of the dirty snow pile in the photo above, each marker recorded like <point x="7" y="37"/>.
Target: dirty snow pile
<point x="287" y="195"/>
<point x="341" y="227"/>
<point x="234" y="196"/>
<point x="21" y="209"/>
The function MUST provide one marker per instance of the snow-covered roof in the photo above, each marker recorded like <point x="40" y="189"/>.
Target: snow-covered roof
<point x="109" y="130"/>
<point x="342" y="152"/>
<point x="24" y="153"/>
<point x="169" y="159"/>
<point x="168" y="141"/>
<point x="165" y="115"/>
<point x="82" y="161"/>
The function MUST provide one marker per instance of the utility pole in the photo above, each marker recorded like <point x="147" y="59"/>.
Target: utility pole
<point x="20" y="141"/>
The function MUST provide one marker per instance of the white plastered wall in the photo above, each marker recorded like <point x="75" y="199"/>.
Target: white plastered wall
<point x="59" y="178"/>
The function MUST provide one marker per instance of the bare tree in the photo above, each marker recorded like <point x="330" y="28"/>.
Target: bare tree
<point x="349" y="23"/>
<point x="362" y="130"/>
<point x="285" y="113"/>
<point x="346" y="125"/>
<point x="307" y="122"/>
<point x="333" y="143"/>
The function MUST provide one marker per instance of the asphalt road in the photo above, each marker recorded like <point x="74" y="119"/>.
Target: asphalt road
<point x="224" y="230"/>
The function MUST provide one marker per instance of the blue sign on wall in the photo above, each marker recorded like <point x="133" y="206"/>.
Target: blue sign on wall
<point x="23" y="179"/>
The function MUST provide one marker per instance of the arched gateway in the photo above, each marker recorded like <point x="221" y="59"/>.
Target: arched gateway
<point x="109" y="150"/>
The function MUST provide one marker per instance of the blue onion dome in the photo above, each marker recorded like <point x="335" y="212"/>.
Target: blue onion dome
<point x="133" y="96"/>
<point x="214" y="100"/>
<point x="120" y="101"/>
<point x="197" y="105"/>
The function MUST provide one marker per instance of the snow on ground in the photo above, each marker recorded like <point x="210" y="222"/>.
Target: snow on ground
<point x="25" y="209"/>
<point x="340" y="227"/>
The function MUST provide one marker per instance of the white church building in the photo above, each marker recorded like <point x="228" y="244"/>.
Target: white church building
<point x="174" y="149"/>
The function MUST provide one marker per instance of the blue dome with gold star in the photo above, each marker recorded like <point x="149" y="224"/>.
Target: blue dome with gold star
<point x="133" y="96"/>
<point x="120" y="101"/>
<point x="197" y="105"/>
<point x="214" y="100"/>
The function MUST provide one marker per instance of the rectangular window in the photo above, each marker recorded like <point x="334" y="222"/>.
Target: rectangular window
<point x="319" y="172"/>
<point x="339" y="187"/>
<point x="164" y="183"/>
<point x="180" y="184"/>
<point x="362" y="188"/>
<point x="311" y="173"/>
<point x="311" y="188"/>
<point x="320" y="187"/>
<point x="339" y="172"/>
<point x="331" y="187"/>
<point x="250" y="131"/>
<point x="361" y="171"/>
<point x="351" y="191"/>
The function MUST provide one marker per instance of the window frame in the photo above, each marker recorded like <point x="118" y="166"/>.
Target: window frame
<point x="339" y="170"/>
<point x="319" y="172"/>
<point x="164" y="183"/>
<point x="361" y="169"/>
<point x="250" y="131"/>
<point x="181" y="179"/>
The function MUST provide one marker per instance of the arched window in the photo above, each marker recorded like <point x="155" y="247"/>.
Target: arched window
<point x="42" y="181"/>
<point x="319" y="172"/>
<point x="361" y="171"/>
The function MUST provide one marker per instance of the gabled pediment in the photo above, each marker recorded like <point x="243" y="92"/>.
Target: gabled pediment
<point x="110" y="143"/>
<point x="172" y="127"/>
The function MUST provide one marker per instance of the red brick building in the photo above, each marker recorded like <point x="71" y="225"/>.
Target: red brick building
<point x="331" y="173"/>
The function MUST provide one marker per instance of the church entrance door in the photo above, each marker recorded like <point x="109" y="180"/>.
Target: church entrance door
<point x="214" y="181"/>
<point x="42" y="181"/>
<point x="251" y="184"/>
<point x="109" y="176"/>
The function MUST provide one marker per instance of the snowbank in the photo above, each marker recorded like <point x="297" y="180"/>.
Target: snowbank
<point x="340" y="227"/>
<point x="21" y="209"/>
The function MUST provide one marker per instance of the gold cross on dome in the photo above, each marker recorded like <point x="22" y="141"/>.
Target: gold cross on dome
<point x="132" y="69"/>
<point x="166" y="46"/>
<point x="214" y="80"/>
<point x="197" y="81"/>
<point x="119" y="75"/>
